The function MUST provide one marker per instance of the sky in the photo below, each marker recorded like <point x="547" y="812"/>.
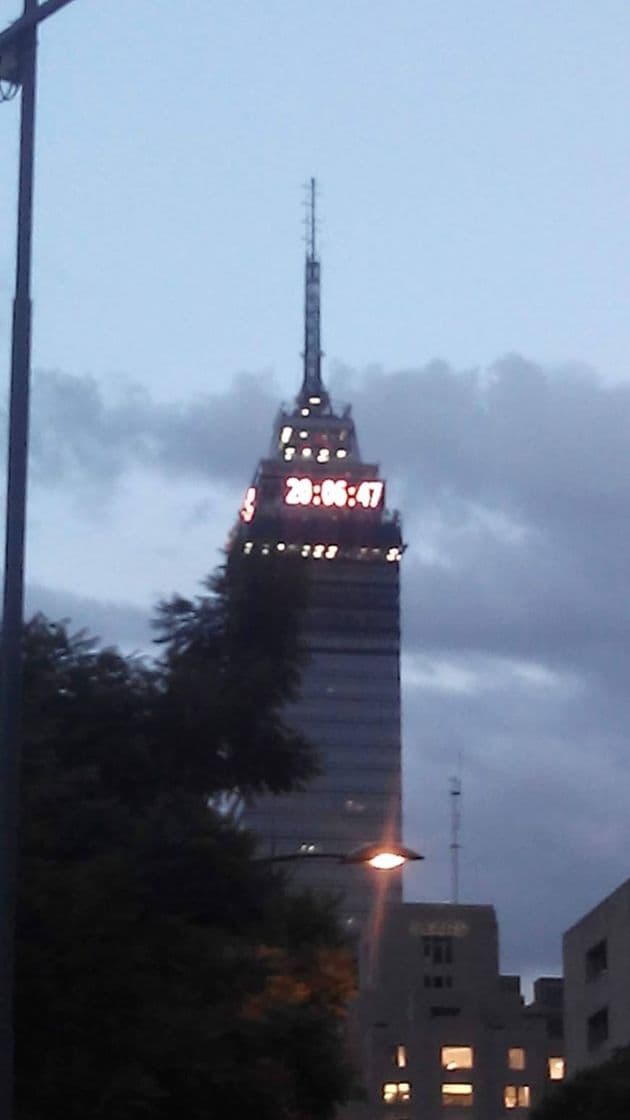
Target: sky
<point x="474" y="171"/>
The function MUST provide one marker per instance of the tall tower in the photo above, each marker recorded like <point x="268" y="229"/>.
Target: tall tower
<point x="315" y="497"/>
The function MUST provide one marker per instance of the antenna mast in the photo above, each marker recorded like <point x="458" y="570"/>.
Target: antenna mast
<point x="456" y="820"/>
<point x="312" y="384"/>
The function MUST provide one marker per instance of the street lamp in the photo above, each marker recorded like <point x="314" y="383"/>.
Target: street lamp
<point x="18" y="51"/>
<point x="382" y="857"/>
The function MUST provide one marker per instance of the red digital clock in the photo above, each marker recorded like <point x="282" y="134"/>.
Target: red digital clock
<point x="334" y="493"/>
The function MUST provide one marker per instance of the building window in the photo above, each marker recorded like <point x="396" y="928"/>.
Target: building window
<point x="458" y="1095"/>
<point x="457" y="1057"/>
<point x="396" y="1091"/>
<point x="516" y="1096"/>
<point x="555" y="1067"/>
<point x="438" y="981"/>
<point x="400" y="1057"/>
<point x="596" y="960"/>
<point x="597" y="1028"/>
<point x="438" y="950"/>
<point x="516" y="1057"/>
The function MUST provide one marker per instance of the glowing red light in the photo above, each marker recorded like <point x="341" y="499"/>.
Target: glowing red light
<point x="248" y="507"/>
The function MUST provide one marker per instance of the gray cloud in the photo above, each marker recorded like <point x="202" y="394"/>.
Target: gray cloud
<point x="515" y="490"/>
<point x="80" y="435"/>
<point x="120" y="624"/>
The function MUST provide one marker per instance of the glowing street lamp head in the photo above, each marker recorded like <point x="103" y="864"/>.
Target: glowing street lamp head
<point x="383" y="857"/>
<point x="386" y="861"/>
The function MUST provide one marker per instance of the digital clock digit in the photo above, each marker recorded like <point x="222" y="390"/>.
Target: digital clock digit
<point x="334" y="493"/>
<point x="248" y="507"/>
<point x="299" y="492"/>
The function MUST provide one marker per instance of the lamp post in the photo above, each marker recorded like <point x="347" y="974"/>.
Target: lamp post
<point x="18" y="55"/>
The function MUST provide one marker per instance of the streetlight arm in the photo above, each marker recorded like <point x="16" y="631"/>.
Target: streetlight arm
<point x="384" y="857"/>
<point x="290" y="857"/>
<point x="10" y="37"/>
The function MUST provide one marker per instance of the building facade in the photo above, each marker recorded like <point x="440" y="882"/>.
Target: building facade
<point x="315" y="497"/>
<point x="596" y="952"/>
<point x="440" y="1033"/>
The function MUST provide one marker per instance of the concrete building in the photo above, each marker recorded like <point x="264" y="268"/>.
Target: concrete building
<point x="313" y="496"/>
<point x="440" y="1032"/>
<point x="596" y="953"/>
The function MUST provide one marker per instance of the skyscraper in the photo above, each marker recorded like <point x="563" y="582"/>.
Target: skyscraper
<point x="314" y="496"/>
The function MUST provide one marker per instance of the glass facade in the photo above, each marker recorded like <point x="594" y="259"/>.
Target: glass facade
<point x="350" y="710"/>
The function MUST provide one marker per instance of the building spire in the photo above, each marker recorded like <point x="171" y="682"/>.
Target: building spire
<point x="312" y="385"/>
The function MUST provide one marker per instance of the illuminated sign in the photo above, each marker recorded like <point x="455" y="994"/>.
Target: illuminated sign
<point x="334" y="493"/>
<point x="248" y="507"/>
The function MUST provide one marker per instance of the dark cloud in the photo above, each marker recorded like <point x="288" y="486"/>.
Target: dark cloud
<point x="120" y="624"/>
<point x="515" y="490"/>
<point x="80" y="435"/>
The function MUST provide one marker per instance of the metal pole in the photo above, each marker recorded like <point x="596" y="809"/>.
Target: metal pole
<point x="13" y="599"/>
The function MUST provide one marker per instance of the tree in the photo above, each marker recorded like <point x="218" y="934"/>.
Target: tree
<point x="599" y="1093"/>
<point x="161" y="971"/>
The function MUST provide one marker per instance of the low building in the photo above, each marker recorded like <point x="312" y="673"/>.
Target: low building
<point x="441" y="1033"/>
<point x="596" y="953"/>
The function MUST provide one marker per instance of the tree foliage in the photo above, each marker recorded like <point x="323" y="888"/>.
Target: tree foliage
<point x="161" y="971"/>
<point x="599" y="1093"/>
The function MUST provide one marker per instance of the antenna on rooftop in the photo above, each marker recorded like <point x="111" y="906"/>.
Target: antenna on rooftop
<point x="311" y="218"/>
<point x="455" y="793"/>
<point x="312" y="391"/>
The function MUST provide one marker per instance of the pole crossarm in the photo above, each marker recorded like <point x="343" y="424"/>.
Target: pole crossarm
<point x="11" y="35"/>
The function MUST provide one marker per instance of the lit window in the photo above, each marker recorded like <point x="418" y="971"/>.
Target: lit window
<point x="306" y="452"/>
<point x="304" y="411"/>
<point x="306" y="550"/>
<point x="457" y="1057"/>
<point x="400" y="1057"/>
<point x="285" y="434"/>
<point x="341" y="453"/>
<point x="308" y="849"/>
<point x="303" y="433"/>
<point x="331" y="551"/>
<point x="516" y="1058"/>
<point x="556" y="1069"/>
<point x="323" y="455"/>
<point x="281" y="546"/>
<point x="318" y="551"/>
<point x="459" y="1094"/>
<point x="265" y="550"/>
<point x="395" y="1091"/>
<point x="516" y="1096"/>
<point x="314" y="400"/>
<point x="289" y="452"/>
<point x="247" y="547"/>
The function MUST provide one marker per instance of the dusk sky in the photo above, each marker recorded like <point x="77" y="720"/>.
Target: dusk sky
<point x="474" y="166"/>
